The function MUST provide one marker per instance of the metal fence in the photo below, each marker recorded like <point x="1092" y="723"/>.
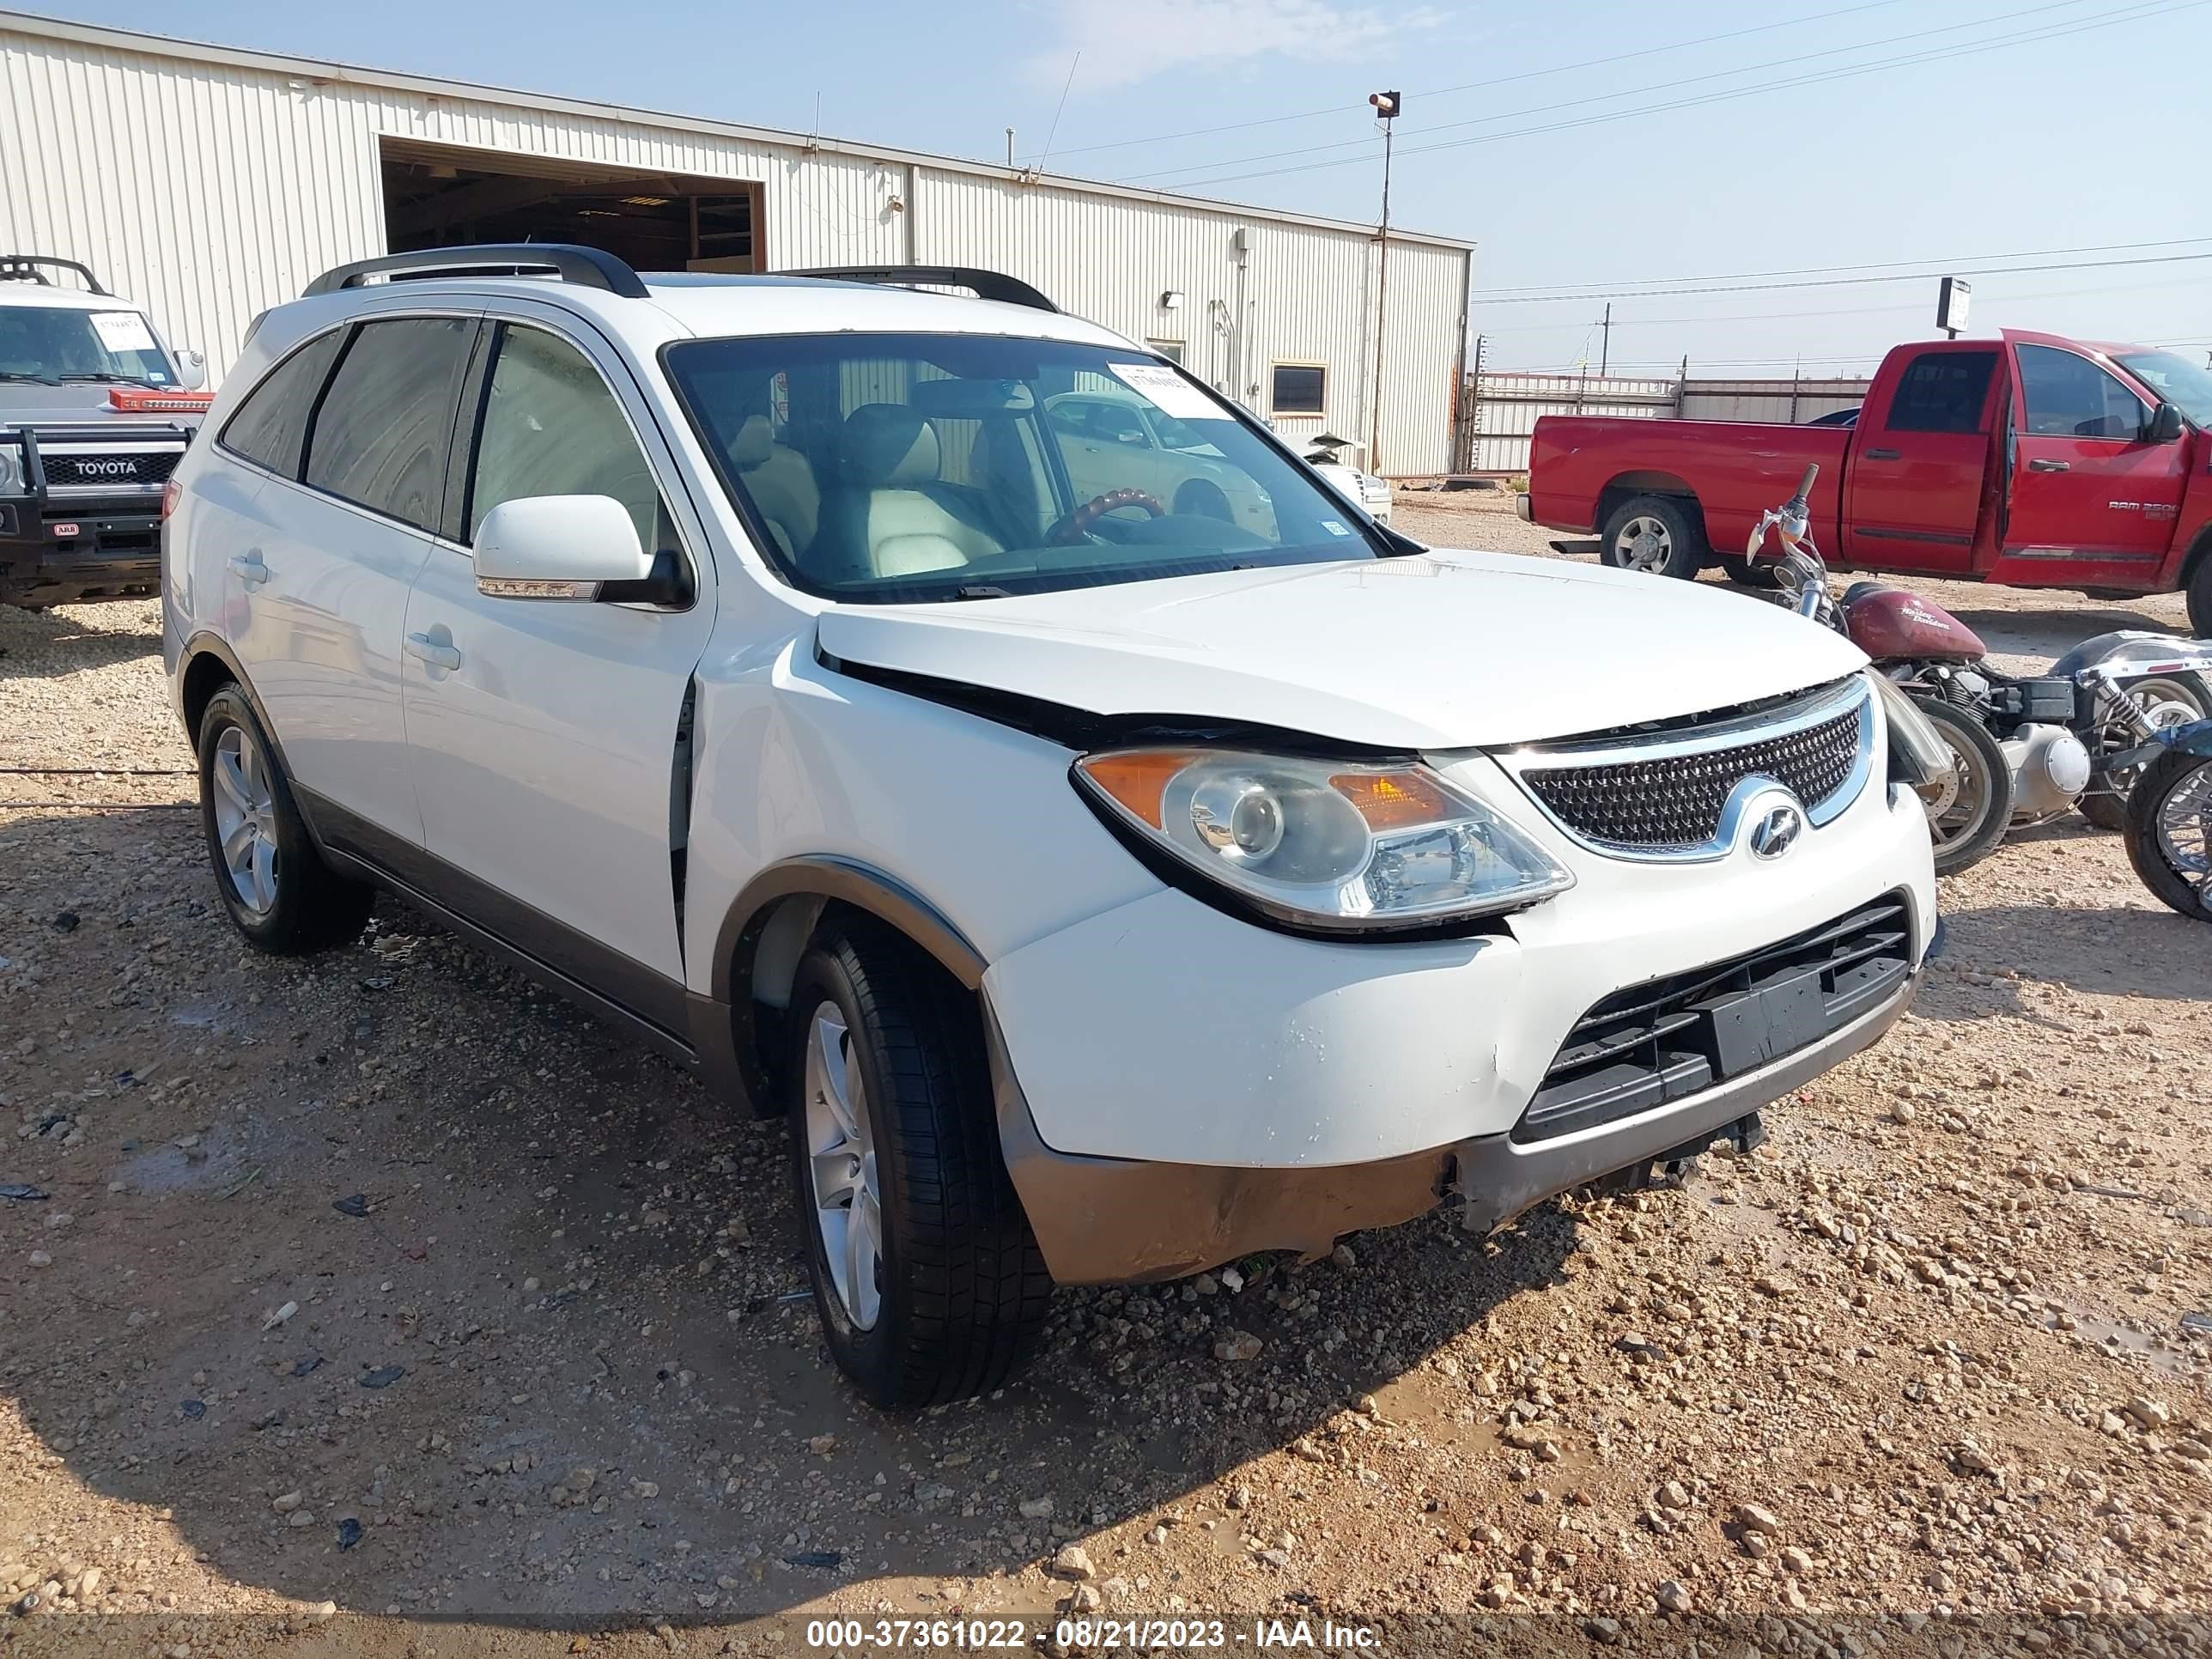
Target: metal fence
<point x="1501" y="411"/>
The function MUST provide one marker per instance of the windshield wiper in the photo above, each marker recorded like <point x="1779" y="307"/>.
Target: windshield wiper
<point x="980" y="590"/>
<point x="106" y="378"/>
<point x="35" y="379"/>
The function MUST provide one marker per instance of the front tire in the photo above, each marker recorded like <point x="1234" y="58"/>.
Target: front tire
<point x="2200" y="596"/>
<point x="273" y="882"/>
<point x="1661" y="535"/>
<point x="2169" y="830"/>
<point x="1758" y="575"/>
<point x="1970" y="810"/>
<point x="928" y="1280"/>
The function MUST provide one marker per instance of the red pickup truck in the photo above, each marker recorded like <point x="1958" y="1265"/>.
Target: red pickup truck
<point x="2031" y="461"/>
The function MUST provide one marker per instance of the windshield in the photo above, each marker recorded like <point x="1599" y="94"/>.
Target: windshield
<point x="2174" y="379"/>
<point x="52" y="344"/>
<point x="897" y="468"/>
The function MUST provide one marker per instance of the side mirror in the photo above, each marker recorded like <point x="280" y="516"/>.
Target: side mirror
<point x="2164" y="426"/>
<point x="191" y="369"/>
<point x="570" y="547"/>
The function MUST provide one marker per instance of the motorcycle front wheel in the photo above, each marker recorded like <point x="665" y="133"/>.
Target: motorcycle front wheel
<point x="1970" y="807"/>
<point x="2169" y="831"/>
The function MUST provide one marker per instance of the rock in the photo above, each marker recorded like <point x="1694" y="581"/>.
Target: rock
<point x="1156" y="1536"/>
<point x="1755" y="1544"/>
<point x="1903" y="1112"/>
<point x="1037" y="1509"/>
<point x="1343" y="1257"/>
<point x="1241" y="1499"/>
<point x="60" y="1219"/>
<point x="1238" y="1347"/>
<point x="2151" y="1414"/>
<point x="1207" y="1284"/>
<point x="41" y="1259"/>
<point x="299" y="1518"/>
<point x="1671" y="1597"/>
<point x="1674" y="1496"/>
<point x="1752" y="1518"/>
<point x="286" y="1503"/>
<point x="1795" y="1560"/>
<point x="1084" y="1598"/>
<point x="88" y="1585"/>
<point x="822" y="1444"/>
<point x="1606" y="1631"/>
<point x="1073" y="1561"/>
<point x="1231" y="1280"/>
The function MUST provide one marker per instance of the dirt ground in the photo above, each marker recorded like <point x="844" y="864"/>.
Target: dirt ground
<point x="380" y="1304"/>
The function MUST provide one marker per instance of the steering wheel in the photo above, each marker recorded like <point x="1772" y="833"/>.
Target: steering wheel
<point x="1075" y="528"/>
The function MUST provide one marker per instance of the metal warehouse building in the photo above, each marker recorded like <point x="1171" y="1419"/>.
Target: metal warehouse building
<point x="209" y="183"/>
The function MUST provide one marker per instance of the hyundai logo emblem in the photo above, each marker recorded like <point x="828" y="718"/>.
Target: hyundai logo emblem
<point x="1777" y="832"/>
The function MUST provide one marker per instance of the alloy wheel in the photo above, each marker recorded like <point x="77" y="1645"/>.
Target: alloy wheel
<point x="1643" y="543"/>
<point x="246" y="819"/>
<point x="840" y="1161"/>
<point x="2185" y="833"/>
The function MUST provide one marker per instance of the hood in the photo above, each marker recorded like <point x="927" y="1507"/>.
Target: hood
<point x="74" y="403"/>
<point x="1448" y="651"/>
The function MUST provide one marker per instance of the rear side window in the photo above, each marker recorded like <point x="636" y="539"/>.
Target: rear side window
<point x="1942" y="391"/>
<point x="270" y="426"/>
<point x="380" y="437"/>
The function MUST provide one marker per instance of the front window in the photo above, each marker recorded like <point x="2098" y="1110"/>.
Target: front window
<point x="897" y="468"/>
<point x="2181" y="382"/>
<point x="2069" y="397"/>
<point x="54" y="345"/>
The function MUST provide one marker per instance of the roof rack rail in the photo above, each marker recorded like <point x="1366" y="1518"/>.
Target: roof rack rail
<point x="987" y="284"/>
<point x="25" y="267"/>
<point x="586" y="267"/>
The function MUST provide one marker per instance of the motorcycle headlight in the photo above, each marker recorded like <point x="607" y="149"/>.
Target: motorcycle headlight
<point x="1324" y="844"/>
<point x="1918" y="754"/>
<point x="11" y="468"/>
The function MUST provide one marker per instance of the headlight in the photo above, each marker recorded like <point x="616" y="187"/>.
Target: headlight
<point x="1324" y="844"/>
<point x="1918" y="754"/>
<point x="11" y="470"/>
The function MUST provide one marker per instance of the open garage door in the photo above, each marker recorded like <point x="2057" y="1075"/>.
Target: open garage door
<point x="438" y="195"/>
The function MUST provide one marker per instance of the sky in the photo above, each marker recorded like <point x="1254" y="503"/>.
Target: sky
<point x="1608" y="149"/>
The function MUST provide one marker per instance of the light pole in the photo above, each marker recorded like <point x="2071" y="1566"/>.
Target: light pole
<point x="1387" y="106"/>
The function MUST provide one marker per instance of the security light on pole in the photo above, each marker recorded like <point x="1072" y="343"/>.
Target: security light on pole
<point x="1387" y="106"/>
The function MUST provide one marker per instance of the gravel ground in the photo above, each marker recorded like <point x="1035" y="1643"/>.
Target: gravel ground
<point x="379" y="1304"/>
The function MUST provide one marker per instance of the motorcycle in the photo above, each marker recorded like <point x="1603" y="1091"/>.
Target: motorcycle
<point x="2026" y="748"/>
<point x="2169" y="818"/>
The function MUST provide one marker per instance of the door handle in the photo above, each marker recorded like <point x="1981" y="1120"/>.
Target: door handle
<point x="2046" y="466"/>
<point x="249" y="569"/>
<point x="423" y="648"/>
<point x="1884" y="455"/>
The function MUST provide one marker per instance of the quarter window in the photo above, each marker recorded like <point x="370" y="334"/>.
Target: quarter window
<point x="1942" y="391"/>
<point x="270" y="426"/>
<point x="382" y="437"/>
<point x="551" y="426"/>
<point x="2070" y="396"/>
<point x="1299" y="389"/>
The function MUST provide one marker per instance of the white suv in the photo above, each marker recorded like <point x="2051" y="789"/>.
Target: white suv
<point x="1103" y="892"/>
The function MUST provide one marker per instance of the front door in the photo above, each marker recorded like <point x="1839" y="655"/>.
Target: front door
<point x="2088" y="495"/>
<point x="1920" y="456"/>
<point x="545" y="733"/>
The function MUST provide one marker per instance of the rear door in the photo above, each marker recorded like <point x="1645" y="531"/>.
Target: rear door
<point x="2086" y="491"/>
<point x="316" y="594"/>
<point x="545" y="733"/>
<point x="1921" y="453"/>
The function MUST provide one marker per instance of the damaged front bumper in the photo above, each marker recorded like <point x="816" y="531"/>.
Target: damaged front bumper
<point x="1106" y="1220"/>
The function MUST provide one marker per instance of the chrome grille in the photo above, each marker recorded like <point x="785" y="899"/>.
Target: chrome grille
<point x="136" y="470"/>
<point x="1676" y="794"/>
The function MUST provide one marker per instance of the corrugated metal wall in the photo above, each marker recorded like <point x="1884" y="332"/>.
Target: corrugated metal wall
<point x="209" y="190"/>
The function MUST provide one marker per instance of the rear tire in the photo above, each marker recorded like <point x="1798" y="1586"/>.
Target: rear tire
<point x="272" y="880"/>
<point x="2158" y="794"/>
<point x="929" y="1283"/>
<point x="1968" y="812"/>
<point x="1661" y="535"/>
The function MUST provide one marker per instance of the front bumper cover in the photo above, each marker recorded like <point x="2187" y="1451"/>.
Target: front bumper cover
<point x="1105" y="1220"/>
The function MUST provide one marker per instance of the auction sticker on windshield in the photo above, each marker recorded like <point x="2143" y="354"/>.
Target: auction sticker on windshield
<point x="1168" y="391"/>
<point x="122" y="330"/>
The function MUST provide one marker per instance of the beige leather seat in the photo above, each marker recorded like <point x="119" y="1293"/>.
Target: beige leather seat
<point x="781" y="483"/>
<point x="892" y="516"/>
